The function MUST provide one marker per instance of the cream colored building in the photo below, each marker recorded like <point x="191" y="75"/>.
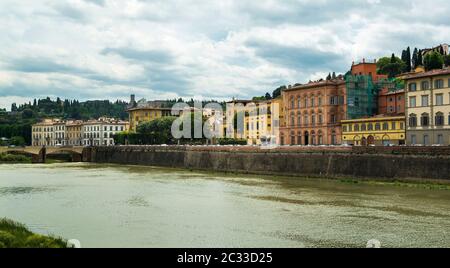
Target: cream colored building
<point x="74" y="133"/>
<point x="42" y="133"/>
<point x="101" y="132"/>
<point x="55" y="132"/>
<point x="428" y="108"/>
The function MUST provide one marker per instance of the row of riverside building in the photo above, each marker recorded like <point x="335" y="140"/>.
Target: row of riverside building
<point x="360" y="108"/>
<point x="56" y="132"/>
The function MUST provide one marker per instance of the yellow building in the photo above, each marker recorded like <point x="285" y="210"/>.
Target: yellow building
<point x="428" y="107"/>
<point x="74" y="133"/>
<point x="261" y="122"/>
<point x="380" y="130"/>
<point x="146" y="114"/>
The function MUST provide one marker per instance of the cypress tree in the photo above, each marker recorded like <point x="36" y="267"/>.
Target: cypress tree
<point x="408" y="59"/>
<point x="415" y="61"/>
<point x="419" y="58"/>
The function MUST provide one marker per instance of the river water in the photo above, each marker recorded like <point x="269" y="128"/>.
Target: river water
<point x="130" y="206"/>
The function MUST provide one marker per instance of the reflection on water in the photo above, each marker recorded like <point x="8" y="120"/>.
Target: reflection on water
<point x="134" y="206"/>
<point x="23" y="190"/>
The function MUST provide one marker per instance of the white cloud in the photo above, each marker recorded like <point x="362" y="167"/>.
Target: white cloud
<point x="160" y="49"/>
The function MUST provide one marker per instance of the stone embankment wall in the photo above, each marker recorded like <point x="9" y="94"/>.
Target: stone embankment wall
<point x="345" y="162"/>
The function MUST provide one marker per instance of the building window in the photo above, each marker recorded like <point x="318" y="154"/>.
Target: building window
<point x="424" y="100"/>
<point x="292" y="103"/>
<point x="333" y="119"/>
<point x="385" y="126"/>
<point x="412" y="102"/>
<point x="377" y="126"/>
<point x="306" y="103"/>
<point x="413" y="139"/>
<point x="439" y="99"/>
<point x="438" y="84"/>
<point x="299" y="102"/>
<point x="425" y="120"/>
<point x="402" y="126"/>
<point x="425" y="85"/>
<point x="412" y="120"/>
<point x="313" y="119"/>
<point x="363" y="127"/>
<point x="312" y="101"/>
<point x="439" y="119"/>
<point x="320" y="101"/>
<point x="426" y="139"/>
<point x="344" y="128"/>
<point x="306" y="121"/>
<point x="393" y="126"/>
<point x="440" y="139"/>
<point x="292" y="120"/>
<point x="412" y="87"/>
<point x="320" y="119"/>
<point x="370" y="127"/>
<point x="299" y="119"/>
<point x="356" y="127"/>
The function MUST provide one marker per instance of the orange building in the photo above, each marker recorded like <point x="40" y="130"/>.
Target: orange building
<point x="313" y="113"/>
<point x="367" y="68"/>
<point x="391" y="102"/>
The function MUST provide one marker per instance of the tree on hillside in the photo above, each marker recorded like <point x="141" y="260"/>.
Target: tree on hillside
<point x="433" y="60"/>
<point x="406" y="58"/>
<point x="419" y="58"/>
<point x="415" y="59"/>
<point x="390" y="66"/>
<point x="447" y="60"/>
<point x="277" y="92"/>
<point x="17" y="141"/>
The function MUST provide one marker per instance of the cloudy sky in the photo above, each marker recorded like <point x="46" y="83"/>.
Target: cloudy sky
<point x="158" y="49"/>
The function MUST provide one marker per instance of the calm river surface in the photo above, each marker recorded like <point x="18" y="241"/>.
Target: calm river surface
<point x="129" y="206"/>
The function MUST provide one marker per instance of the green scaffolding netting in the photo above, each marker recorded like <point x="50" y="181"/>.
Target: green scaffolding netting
<point x="362" y="94"/>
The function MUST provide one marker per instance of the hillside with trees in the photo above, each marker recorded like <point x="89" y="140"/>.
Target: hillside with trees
<point x="17" y="123"/>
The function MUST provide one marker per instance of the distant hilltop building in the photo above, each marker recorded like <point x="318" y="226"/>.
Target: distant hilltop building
<point x="441" y="49"/>
<point x="57" y="132"/>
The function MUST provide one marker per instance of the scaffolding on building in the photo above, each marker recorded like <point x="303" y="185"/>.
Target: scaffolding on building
<point x="362" y="96"/>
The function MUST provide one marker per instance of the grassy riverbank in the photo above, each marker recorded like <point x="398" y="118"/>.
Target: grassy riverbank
<point x="16" y="235"/>
<point x="13" y="158"/>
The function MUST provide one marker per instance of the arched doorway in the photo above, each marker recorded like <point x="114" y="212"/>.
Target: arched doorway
<point x="370" y="140"/>
<point x="364" y="141"/>
<point x="386" y="140"/>
<point x="306" y="138"/>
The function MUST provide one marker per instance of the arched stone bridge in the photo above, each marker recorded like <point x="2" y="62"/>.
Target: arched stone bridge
<point x="39" y="153"/>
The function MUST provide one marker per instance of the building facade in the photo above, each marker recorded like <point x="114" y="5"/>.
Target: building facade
<point x="262" y="120"/>
<point x="55" y="132"/>
<point x="380" y="130"/>
<point x="101" y="132"/>
<point x="312" y="113"/>
<point x="428" y="107"/>
<point x="74" y="133"/>
<point x="391" y="102"/>
<point x="42" y="133"/>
